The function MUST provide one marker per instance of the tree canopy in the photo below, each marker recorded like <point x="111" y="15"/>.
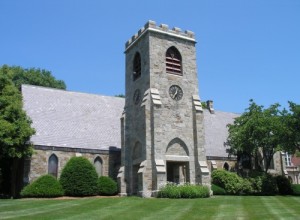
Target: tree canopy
<point x="15" y="130"/>
<point x="260" y="132"/>
<point x="32" y="76"/>
<point x="15" y="126"/>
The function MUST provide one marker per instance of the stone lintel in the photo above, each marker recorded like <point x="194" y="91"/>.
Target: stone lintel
<point x="177" y="158"/>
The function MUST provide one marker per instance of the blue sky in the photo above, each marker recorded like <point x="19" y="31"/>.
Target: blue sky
<point x="245" y="49"/>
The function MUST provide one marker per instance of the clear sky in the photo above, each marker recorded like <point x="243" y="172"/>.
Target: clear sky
<point x="245" y="49"/>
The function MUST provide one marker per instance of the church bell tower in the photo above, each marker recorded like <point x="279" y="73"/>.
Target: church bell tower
<point x="162" y="124"/>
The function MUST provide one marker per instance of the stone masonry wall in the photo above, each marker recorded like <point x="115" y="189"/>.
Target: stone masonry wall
<point x="38" y="164"/>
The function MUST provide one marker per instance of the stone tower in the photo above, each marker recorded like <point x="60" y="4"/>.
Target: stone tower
<point x="162" y="123"/>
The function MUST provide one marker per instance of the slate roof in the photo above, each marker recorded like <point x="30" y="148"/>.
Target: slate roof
<point x="87" y="121"/>
<point x="71" y="119"/>
<point x="216" y="132"/>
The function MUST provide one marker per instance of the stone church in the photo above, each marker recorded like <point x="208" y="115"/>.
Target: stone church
<point x="159" y="133"/>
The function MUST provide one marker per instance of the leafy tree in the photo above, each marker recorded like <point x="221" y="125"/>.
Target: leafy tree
<point x="120" y="96"/>
<point x="15" y="130"/>
<point x="32" y="76"/>
<point x="204" y="105"/>
<point x="258" y="134"/>
<point x="292" y="132"/>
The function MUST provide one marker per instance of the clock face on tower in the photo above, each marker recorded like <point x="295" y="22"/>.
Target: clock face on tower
<point x="175" y="92"/>
<point x="136" y="96"/>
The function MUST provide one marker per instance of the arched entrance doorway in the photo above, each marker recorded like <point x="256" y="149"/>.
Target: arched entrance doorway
<point x="177" y="161"/>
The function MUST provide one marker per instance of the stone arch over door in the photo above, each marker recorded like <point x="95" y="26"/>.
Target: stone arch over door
<point x="177" y="147"/>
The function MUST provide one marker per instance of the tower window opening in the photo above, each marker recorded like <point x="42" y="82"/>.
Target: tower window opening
<point x="137" y="69"/>
<point x="173" y="61"/>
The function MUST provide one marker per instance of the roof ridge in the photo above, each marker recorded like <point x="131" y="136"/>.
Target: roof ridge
<point x="67" y="91"/>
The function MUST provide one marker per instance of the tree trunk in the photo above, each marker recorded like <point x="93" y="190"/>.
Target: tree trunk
<point x="16" y="176"/>
<point x="14" y="167"/>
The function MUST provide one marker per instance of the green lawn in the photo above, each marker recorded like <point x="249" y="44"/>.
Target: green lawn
<point x="219" y="207"/>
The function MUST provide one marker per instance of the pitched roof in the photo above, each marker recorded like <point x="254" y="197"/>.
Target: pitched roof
<point x="71" y="119"/>
<point x="80" y="120"/>
<point x="216" y="132"/>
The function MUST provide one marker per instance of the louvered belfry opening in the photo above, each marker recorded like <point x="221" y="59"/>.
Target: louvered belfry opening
<point x="173" y="61"/>
<point x="137" y="69"/>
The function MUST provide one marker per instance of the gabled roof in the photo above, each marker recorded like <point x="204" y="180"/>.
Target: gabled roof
<point x="216" y="132"/>
<point x="87" y="121"/>
<point x="71" y="119"/>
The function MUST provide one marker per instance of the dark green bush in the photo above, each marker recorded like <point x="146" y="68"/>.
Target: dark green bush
<point x="187" y="191"/>
<point x="79" y="178"/>
<point x="296" y="189"/>
<point x="46" y="187"/>
<point x="107" y="186"/>
<point x="231" y="182"/>
<point x="217" y="190"/>
<point x="269" y="185"/>
<point x="284" y="185"/>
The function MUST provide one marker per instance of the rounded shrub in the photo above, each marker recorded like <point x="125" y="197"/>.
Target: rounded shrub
<point x="217" y="190"/>
<point x="107" y="186"/>
<point x="231" y="182"/>
<point x="44" y="187"/>
<point x="284" y="185"/>
<point x="296" y="189"/>
<point x="79" y="178"/>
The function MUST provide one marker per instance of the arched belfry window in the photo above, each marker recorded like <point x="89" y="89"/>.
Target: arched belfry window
<point x="53" y="165"/>
<point x="137" y="69"/>
<point x="173" y="61"/>
<point x="98" y="165"/>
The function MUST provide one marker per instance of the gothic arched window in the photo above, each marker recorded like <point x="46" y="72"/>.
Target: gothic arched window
<point x="137" y="69"/>
<point x="173" y="61"/>
<point x="53" y="165"/>
<point x="226" y="166"/>
<point x="98" y="165"/>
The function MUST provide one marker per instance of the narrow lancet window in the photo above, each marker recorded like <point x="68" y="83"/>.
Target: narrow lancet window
<point x="53" y="165"/>
<point x="137" y="69"/>
<point x="98" y="166"/>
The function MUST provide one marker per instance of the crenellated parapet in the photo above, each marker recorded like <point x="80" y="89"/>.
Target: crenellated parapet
<point x="164" y="29"/>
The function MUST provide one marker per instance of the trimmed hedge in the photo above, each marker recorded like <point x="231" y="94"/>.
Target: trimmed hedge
<point x="107" y="186"/>
<point x="79" y="178"/>
<point x="296" y="189"/>
<point x="186" y="191"/>
<point x="45" y="187"/>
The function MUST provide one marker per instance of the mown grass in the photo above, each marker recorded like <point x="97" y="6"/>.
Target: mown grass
<point x="218" y="207"/>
